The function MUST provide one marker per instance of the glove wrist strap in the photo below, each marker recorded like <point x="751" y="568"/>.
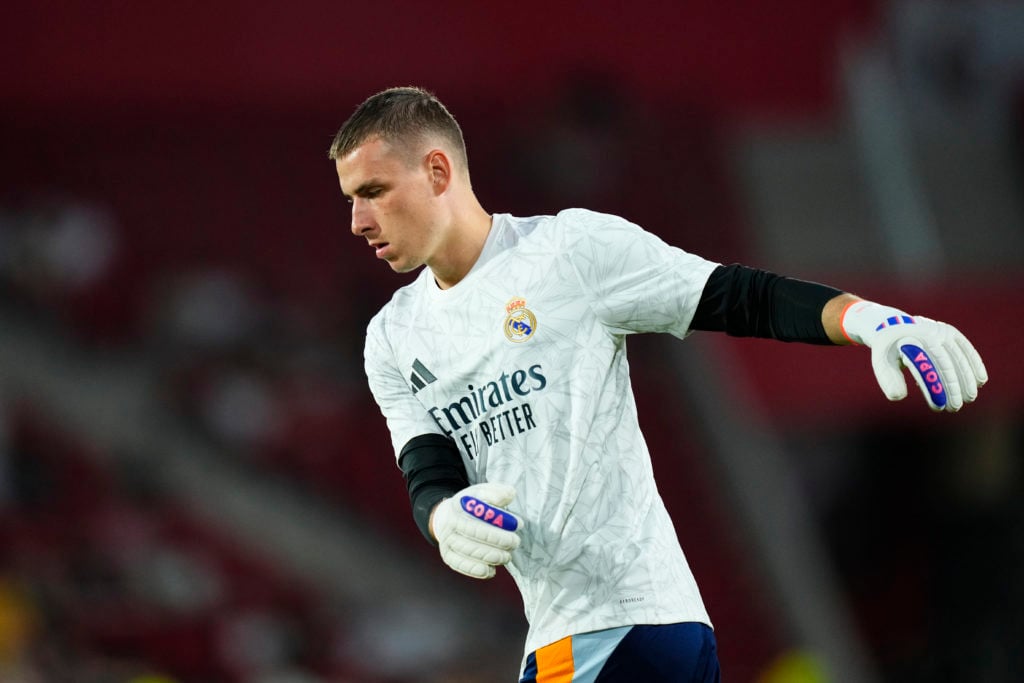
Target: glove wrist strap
<point x="861" y="320"/>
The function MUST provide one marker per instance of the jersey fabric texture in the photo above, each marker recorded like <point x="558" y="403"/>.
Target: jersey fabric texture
<point x="523" y="365"/>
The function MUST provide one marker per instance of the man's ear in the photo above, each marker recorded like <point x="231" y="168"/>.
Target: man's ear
<point x="439" y="165"/>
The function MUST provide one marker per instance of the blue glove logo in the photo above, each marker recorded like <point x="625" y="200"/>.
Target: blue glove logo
<point x="922" y="364"/>
<point x="490" y="514"/>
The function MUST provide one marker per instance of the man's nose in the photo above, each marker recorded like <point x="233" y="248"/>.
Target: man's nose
<point x="362" y="218"/>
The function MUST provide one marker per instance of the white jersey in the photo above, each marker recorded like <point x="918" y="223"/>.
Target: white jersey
<point x="523" y="365"/>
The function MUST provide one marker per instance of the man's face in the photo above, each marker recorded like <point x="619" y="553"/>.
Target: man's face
<point x="394" y="205"/>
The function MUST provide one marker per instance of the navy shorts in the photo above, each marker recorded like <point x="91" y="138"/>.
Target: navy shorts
<point x="666" y="653"/>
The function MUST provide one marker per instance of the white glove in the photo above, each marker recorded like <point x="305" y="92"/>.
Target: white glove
<point x="945" y="365"/>
<point x="473" y="532"/>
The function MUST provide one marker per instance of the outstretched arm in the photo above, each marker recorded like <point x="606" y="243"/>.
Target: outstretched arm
<point x="747" y="302"/>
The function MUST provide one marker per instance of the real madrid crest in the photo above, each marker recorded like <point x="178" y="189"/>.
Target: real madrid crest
<point x="520" y="323"/>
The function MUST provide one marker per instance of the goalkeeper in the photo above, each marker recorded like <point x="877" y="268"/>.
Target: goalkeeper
<point x="501" y="370"/>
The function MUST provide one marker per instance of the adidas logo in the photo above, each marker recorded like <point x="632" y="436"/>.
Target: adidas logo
<point x="420" y="376"/>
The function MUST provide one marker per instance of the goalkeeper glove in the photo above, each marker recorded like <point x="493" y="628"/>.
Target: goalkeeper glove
<point x="941" y="360"/>
<point x="473" y="532"/>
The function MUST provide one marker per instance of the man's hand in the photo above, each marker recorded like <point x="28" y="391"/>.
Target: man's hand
<point x="473" y="532"/>
<point x="945" y="365"/>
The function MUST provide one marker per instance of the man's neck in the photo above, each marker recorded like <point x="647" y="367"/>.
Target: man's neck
<point x="465" y="245"/>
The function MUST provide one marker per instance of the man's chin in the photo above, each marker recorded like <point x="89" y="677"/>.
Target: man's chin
<point x="400" y="266"/>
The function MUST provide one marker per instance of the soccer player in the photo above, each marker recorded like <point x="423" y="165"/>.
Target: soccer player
<point x="501" y="371"/>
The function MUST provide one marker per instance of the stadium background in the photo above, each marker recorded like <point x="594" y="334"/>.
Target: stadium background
<point x="194" y="483"/>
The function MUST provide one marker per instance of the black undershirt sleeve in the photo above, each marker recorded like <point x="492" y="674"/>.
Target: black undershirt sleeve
<point x="433" y="471"/>
<point x="748" y="302"/>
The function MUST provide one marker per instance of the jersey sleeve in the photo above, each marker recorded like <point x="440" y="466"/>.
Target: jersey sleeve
<point x="406" y="417"/>
<point x="636" y="282"/>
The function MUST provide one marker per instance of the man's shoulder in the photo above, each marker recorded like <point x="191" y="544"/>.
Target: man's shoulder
<point x="566" y="224"/>
<point x="581" y="218"/>
<point x="578" y="216"/>
<point x="593" y="233"/>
